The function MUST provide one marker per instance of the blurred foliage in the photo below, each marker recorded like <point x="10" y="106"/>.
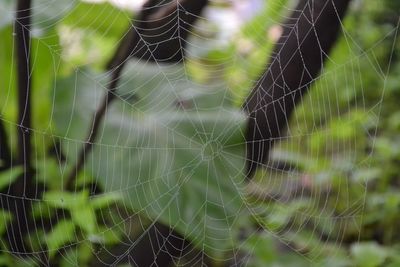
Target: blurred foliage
<point x="340" y="157"/>
<point x="330" y="196"/>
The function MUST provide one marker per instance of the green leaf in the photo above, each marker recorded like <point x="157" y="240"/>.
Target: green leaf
<point x="7" y="70"/>
<point x="368" y="254"/>
<point x="66" y="200"/>
<point x="46" y="14"/>
<point x="102" y="18"/>
<point x="91" y="32"/>
<point x="42" y="210"/>
<point x="107" y="236"/>
<point x="176" y="153"/>
<point x="9" y="176"/>
<point x="262" y="247"/>
<point x="8" y="259"/>
<point x="84" y="217"/>
<point x="45" y="65"/>
<point x="105" y="200"/>
<point x="49" y="171"/>
<point x="5" y="218"/>
<point x="61" y="234"/>
<point x="82" y="213"/>
<point x="81" y="255"/>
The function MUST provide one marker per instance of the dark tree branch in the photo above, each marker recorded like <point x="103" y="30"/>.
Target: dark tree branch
<point x="157" y="36"/>
<point x="308" y="36"/>
<point x="143" y="41"/>
<point x="23" y="49"/>
<point x="95" y="126"/>
<point x="160" y="32"/>
<point x="17" y="198"/>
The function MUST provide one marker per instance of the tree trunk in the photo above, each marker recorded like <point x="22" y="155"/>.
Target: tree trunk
<point x="308" y="36"/>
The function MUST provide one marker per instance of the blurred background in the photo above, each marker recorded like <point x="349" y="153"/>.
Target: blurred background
<point x="329" y="194"/>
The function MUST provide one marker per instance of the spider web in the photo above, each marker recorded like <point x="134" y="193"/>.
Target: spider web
<point x="177" y="132"/>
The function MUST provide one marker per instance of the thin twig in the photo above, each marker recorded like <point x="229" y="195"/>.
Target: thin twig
<point x="115" y="66"/>
<point x="95" y="125"/>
